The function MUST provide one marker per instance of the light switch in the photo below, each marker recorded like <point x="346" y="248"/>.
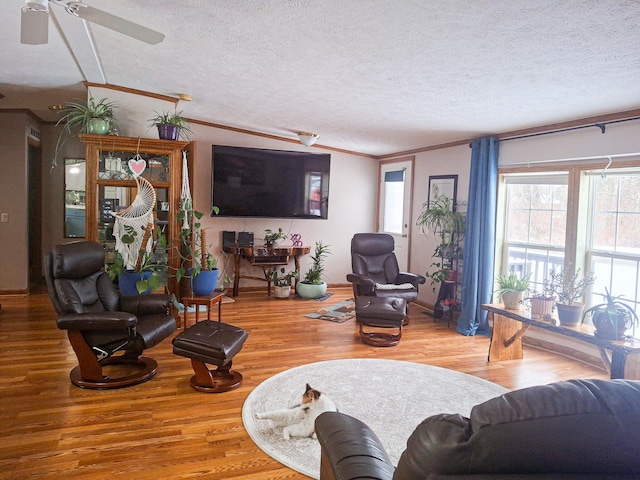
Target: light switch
<point x="4" y="217"/>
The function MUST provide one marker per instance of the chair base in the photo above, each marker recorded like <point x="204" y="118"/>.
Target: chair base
<point x="146" y="370"/>
<point x="219" y="380"/>
<point x="381" y="339"/>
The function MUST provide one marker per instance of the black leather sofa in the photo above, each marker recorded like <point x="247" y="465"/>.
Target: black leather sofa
<point x="578" y="429"/>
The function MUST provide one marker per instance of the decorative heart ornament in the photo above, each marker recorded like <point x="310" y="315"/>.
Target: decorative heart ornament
<point x="137" y="166"/>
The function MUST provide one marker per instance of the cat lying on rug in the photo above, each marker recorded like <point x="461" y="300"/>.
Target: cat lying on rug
<point x="298" y="421"/>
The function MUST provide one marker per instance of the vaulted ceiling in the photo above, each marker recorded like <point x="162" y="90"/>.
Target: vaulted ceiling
<point x="372" y="76"/>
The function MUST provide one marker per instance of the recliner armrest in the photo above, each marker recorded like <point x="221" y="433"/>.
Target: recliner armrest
<point x="146" y="304"/>
<point x="97" y="321"/>
<point x="405" y="277"/>
<point x="360" y="279"/>
<point x="350" y="449"/>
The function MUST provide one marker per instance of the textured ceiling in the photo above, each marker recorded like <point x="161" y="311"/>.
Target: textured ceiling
<point x="372" y="76"/>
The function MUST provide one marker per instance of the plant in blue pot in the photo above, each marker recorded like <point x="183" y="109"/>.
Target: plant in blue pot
<point x="149" y="269"/>
<point x="197" y="263"/>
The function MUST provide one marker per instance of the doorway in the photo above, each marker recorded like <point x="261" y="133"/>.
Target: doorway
<point x="35" y="214"/>
<point x="394" y="205"/>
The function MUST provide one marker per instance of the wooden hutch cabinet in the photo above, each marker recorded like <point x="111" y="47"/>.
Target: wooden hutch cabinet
<point x="110" y="185"/>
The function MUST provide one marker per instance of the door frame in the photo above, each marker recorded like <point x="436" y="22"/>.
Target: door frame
<point x="408" y="159"/>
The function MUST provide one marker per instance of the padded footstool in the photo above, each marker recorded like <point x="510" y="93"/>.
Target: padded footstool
<point x="215" y="343"/>
<point x="381" y="312"/>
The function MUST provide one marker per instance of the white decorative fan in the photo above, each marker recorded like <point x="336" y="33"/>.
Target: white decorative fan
<point x="138" y="216"/>
<point x="35" y="22"/>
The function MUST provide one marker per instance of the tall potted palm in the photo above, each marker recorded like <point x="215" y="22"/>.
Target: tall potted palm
<point x="312" y="285"/>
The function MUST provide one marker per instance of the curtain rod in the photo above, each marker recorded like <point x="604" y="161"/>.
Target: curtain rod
<point x="557" y="160"/>
<point x="601" y="125"/>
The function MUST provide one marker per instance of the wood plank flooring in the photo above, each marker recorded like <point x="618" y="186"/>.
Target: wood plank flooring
<point x="163" y="429"/>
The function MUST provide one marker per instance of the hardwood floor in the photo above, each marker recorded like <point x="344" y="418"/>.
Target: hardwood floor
<point x="163" y="429"/>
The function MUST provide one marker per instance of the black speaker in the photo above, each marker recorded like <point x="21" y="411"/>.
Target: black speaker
<point x="228" y="239"/>
<point x="245" y="239"/>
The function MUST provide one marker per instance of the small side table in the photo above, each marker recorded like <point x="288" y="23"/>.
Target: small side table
<point x="209" y="301"/>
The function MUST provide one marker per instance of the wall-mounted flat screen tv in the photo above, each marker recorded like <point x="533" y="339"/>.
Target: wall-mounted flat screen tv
<point x="253" y="182"/>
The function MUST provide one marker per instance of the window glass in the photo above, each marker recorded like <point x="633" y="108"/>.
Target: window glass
<point x="536" y="214"/>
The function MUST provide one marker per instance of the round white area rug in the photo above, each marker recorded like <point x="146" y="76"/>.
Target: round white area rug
<point x="390" y="396"/>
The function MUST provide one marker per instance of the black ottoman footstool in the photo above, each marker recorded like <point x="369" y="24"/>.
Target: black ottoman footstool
<point x="381" y="313"/>
<point x="215" y="343"/>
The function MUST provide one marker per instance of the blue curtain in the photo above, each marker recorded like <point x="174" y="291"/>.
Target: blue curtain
<point x="479" y="239"/>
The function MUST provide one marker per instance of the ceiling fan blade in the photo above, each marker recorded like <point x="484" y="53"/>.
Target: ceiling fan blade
<point x="118" y="24"/>
<point x="34" y="26"/>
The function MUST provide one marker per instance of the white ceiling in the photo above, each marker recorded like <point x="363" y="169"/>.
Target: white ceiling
<point x="372" y="76"/>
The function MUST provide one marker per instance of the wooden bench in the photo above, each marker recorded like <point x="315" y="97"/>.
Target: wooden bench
<point x="509" y="326"/>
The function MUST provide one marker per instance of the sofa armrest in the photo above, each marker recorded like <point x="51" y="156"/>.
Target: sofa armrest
<point x="146" y="304"/>
<point x="96" y="321"/>
<point x="350" y="449"/>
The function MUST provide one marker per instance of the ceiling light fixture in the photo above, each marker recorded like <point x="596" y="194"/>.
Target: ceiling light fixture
<point x="308" y="138"/>
<point x="184" y="97"/>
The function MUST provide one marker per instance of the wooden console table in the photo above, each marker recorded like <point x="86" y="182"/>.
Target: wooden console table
<point x="263" y="257"/>
<point x="509" y="326"/>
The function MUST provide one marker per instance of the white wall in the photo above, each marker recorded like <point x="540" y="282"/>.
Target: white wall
<point x="352" y="202"/>
<point x="446" y="161"/>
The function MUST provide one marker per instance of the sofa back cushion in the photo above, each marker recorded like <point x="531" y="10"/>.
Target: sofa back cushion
<point x="577" y="426"/>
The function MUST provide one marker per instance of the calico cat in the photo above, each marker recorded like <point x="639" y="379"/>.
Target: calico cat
<point x="298" y="421"/>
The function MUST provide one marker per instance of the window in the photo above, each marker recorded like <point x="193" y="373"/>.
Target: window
<point x="536" y="217"/>
<point x="605" y="239"/>
<point x="614" y="241"/>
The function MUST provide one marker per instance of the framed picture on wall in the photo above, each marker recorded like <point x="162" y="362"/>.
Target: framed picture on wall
<point x="443" y="185"/>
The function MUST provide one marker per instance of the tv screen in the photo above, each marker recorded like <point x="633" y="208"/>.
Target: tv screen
<point x="253" y="182"/>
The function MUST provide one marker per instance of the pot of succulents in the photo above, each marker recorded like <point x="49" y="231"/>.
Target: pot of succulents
<point x="270" y="237"/>
<point x="612" y="318"/>
<point x="281" y="280"/>
<point x="312" y="285"/>
<point x="441" y="219"/>
<point x="197" y="264"/>
<point x="511" y="289"/>
<point x="569" y="288"/>
<point x="171" y="126"/>
<point x="146" y="273"/>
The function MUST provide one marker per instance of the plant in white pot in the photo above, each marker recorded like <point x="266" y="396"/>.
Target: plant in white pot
<point x="569" y="288"/>
<point x="312" y="285"/>
<point x="511" y="289"/>
<point x="281" y="280"/>
<point x="171" y="126"/>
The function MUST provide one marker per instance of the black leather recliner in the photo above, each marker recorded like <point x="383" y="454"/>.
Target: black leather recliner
<point x="375" y="269"/>
<point x="104" y="328"/>
<point x="577" y="429"/>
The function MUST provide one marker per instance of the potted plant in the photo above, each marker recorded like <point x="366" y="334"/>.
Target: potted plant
<point x="91" y="117"/>
<point x="511" y="289"/>
<point x="441" y="218"/>
<point x="197" y="263"/>
<point x="568" y="288"/>
<point x="612" y="318"/>
<point x="171" y="126"/>
<point x="149" y="269"/>
<point x="281" y="280"/>
<point x="270" y="237"/>
<point x="312" y="285"/>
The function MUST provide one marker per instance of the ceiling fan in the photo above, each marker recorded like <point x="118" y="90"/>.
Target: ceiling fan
<point x="35" y="22"/>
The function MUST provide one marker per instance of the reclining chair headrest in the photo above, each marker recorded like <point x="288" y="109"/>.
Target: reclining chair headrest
<point x="372" y="244"/>
<point x="76" y="260"/>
